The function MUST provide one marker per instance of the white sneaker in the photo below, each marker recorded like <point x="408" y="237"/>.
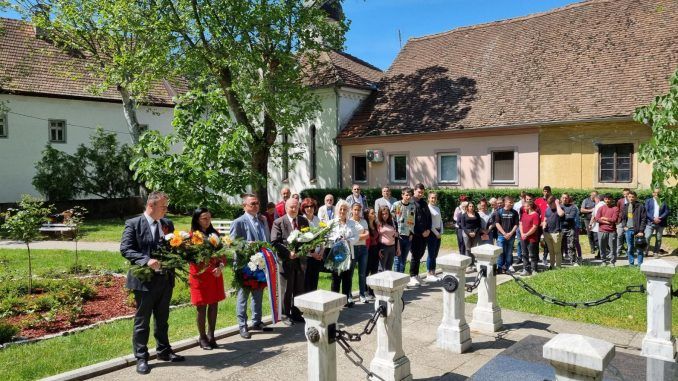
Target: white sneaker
<point x="511" y="269"/>
<point x="431" y="278"/>
<point x="413" y="282"/>
<point x="470" y="269"/>
<point x="363" y="299"/>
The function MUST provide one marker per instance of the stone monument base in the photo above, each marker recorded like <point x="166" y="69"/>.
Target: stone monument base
<point x="398" y="370"/>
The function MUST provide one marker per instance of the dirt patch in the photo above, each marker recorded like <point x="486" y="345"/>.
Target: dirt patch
<point x="110" y="302"/>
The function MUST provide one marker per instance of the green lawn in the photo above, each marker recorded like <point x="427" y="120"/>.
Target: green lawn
<point x="110" y="229"/>
<point x="50" y="262"/>
<point x="580" y="284"/>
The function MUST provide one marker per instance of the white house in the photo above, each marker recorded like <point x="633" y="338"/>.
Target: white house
<point x="44" y="91"/>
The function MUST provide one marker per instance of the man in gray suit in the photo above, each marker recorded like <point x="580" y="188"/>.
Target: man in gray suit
<point x="141" y="237"/>
<point x="250" y="227"/>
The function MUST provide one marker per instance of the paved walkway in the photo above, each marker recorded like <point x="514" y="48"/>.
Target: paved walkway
<point x="282" y="354"/>
<point x="62" y="245"/>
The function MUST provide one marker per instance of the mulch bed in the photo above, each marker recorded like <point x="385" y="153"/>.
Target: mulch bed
<point x="110" y="301"/>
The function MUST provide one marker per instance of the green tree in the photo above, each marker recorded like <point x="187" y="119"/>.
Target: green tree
<point x="113" y="36"/>
<point x="56" y="175"/>
<point x="23" y="224"/>
<point x="662" y="149"/>
<point x="100" y="169"/>
<point x="251" y="55"/>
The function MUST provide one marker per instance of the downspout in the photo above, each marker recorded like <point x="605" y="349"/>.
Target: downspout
<point x="336" y="142"/>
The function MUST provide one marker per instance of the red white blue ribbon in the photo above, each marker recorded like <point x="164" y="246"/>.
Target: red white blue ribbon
<point x="273" y="282"/>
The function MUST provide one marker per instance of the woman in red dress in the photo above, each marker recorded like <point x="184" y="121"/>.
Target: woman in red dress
<point x="206" y="284"/>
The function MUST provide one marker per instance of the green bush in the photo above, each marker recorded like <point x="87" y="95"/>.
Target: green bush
<point x="448" y="199"/>
<point x="7" y="332"/>
<point x="12" y="305"/>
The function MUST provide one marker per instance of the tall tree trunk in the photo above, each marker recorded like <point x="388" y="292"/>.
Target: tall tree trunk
<point x="260" y="154"/>
<point x="129" y="109"/>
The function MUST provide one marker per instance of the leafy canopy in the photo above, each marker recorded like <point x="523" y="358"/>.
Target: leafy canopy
<point x="662" y="149"/>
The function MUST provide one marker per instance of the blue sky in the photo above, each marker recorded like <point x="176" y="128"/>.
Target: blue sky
<point x="373" y="36"/>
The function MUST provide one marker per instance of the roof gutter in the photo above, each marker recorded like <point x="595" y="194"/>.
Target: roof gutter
<point x="516" y="128"/>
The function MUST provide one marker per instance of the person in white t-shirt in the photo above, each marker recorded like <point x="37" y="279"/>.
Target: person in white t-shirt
<point x="594" y="224"/>
<point x="433" y="243"/>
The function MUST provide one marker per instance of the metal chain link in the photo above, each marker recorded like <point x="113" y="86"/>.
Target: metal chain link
<point x="481" y="273"/>
<point x="343" y="339"/>
<point x="549" y="299"/>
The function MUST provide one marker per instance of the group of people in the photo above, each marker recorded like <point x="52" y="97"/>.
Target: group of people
<point x="380" y="237"/>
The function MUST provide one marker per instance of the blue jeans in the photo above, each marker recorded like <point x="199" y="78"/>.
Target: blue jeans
<point x="360" y="253"/>
<point x="241" y="306"/>
<point x="630" y="235"/>
<point x="433" y="248"/>
<point x="399" y="261"/>
<point x="505" y="260"/>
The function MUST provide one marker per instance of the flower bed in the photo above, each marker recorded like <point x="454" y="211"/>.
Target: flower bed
<point x="61" y="305"/>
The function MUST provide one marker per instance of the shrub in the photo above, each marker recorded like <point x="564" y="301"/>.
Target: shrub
<point x="44" y="304"/>
<point x="12" y="305"/>
<point x="7" y="332"/>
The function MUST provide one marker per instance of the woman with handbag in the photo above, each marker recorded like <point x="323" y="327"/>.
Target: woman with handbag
<point x="344" y="229"/>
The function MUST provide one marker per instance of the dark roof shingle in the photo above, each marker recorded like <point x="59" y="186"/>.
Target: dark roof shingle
<point x="340" y="68"/>
<point x="33" y="66"/>
<point x="596" y="59"/>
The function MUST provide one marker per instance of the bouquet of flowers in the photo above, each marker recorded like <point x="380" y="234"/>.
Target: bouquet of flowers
<point x="307" y="239"/>
<point x="180" y="248"/>
<point x="249" y="263"/>
<point x="339" y="258"/>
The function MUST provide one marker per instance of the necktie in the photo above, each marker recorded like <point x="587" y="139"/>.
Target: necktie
<point x="294" y="224"/>
<point x="154" y="229"/>
<point x="330" y="213"/>
<point x="257" y="227"/>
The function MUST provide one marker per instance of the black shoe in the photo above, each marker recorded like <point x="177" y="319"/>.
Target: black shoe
<point x="260" y="327"/>
<point x="298" y="319"/>
<point x="204" y="344"/>
<point x="349" y="304"/>
<point x="171" y="357"/>
<point x="142" y="366"/>
<point x="244" y="333"/>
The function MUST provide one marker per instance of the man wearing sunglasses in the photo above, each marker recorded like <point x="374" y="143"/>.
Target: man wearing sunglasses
<point x="250" y="227"/>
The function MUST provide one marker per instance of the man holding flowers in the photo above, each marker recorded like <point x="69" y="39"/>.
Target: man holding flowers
<point x="250" y="227"/>
<point x="141" y="237"/>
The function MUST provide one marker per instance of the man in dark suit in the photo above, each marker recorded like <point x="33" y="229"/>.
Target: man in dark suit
<point x="292" y="266"/>
<point x="140" y="239"/>
<point x="250" y="227"/>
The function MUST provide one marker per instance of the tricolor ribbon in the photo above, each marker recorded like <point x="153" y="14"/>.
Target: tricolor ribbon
<point x="273" y="282"/>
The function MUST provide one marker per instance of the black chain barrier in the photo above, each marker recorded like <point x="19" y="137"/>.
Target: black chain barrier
<point x="481" y="273"/>
<point x="343" y="339"/>
<point x="548" y="299"/>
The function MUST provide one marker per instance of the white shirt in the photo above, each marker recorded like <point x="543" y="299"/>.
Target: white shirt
<point x="656" y="208"/>
<point x="313" y="222"/>
<point x="291" y="220"/>
<point x="360" y="227"/>
<point x="152" y="226"/>
<point x="595" y="211"/>
<point x="383" y="202"/>
<point x="436" y="219"/>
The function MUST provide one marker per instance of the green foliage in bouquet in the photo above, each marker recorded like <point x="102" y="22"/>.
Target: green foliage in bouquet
<point x="242" y="251"/>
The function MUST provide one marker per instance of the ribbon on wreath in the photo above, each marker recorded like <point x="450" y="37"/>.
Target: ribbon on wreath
<point x="273" y="283"/>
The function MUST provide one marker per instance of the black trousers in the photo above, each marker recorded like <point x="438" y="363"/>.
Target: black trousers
<point x="294" y="275"/>
<point x="312" y="275"/>
<point x="155" y="302"/>
<point x="343" y="281"/>
<point x="417" y="249"/>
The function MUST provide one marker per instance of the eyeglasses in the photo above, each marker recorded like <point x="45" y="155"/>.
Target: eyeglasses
<point x="253" y="203"/>
<point x="308" y="206"/>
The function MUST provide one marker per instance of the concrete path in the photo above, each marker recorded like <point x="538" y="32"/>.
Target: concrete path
<point x="62" y="245"/>
<point x="281" y="354"/>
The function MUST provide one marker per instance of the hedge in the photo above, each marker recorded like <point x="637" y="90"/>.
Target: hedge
<point x="448" y="198"/>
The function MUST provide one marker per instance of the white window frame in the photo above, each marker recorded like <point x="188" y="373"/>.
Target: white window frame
<point x="4" y="130"/>
<point x="367" y="169"/>
<point x="391" y="168"/>
<point x="49" y="130"/>
<point x="515" y="166"/>
<point x="439" y="167"/>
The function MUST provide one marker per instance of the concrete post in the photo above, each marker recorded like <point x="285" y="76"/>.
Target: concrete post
<point x="577" y="357"/>
<point x="453" y="333"/>
<point x="487" y="314"/>
<point x="321" y="309"/>
<point x="390" y="362"/>
<point x="658" y="342"/>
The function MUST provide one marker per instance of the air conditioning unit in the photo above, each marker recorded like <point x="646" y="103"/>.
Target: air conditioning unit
<point x="375" y="155"/>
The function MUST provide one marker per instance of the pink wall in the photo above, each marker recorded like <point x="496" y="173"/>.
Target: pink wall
<point x="474" y="165"/>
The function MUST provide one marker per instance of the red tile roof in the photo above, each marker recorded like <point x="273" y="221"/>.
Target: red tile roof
<point x="33" y="66"/>
<point x="590" y="60"/>
<point x="343" y="69"/>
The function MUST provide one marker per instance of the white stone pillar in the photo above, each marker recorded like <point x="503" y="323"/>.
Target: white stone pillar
<point x="658" y="342"/>
<point x="390" y="362"/>
<point x="487" y="314"/>
<point x="453" y="333"/>
<point x="321" y="309"/>
<point x="577" y="357"/>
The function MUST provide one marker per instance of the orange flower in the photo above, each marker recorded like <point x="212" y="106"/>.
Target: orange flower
<point x="214" y="240"/>
<point x="197" y="238"/>
<point x="176" y="241"/>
